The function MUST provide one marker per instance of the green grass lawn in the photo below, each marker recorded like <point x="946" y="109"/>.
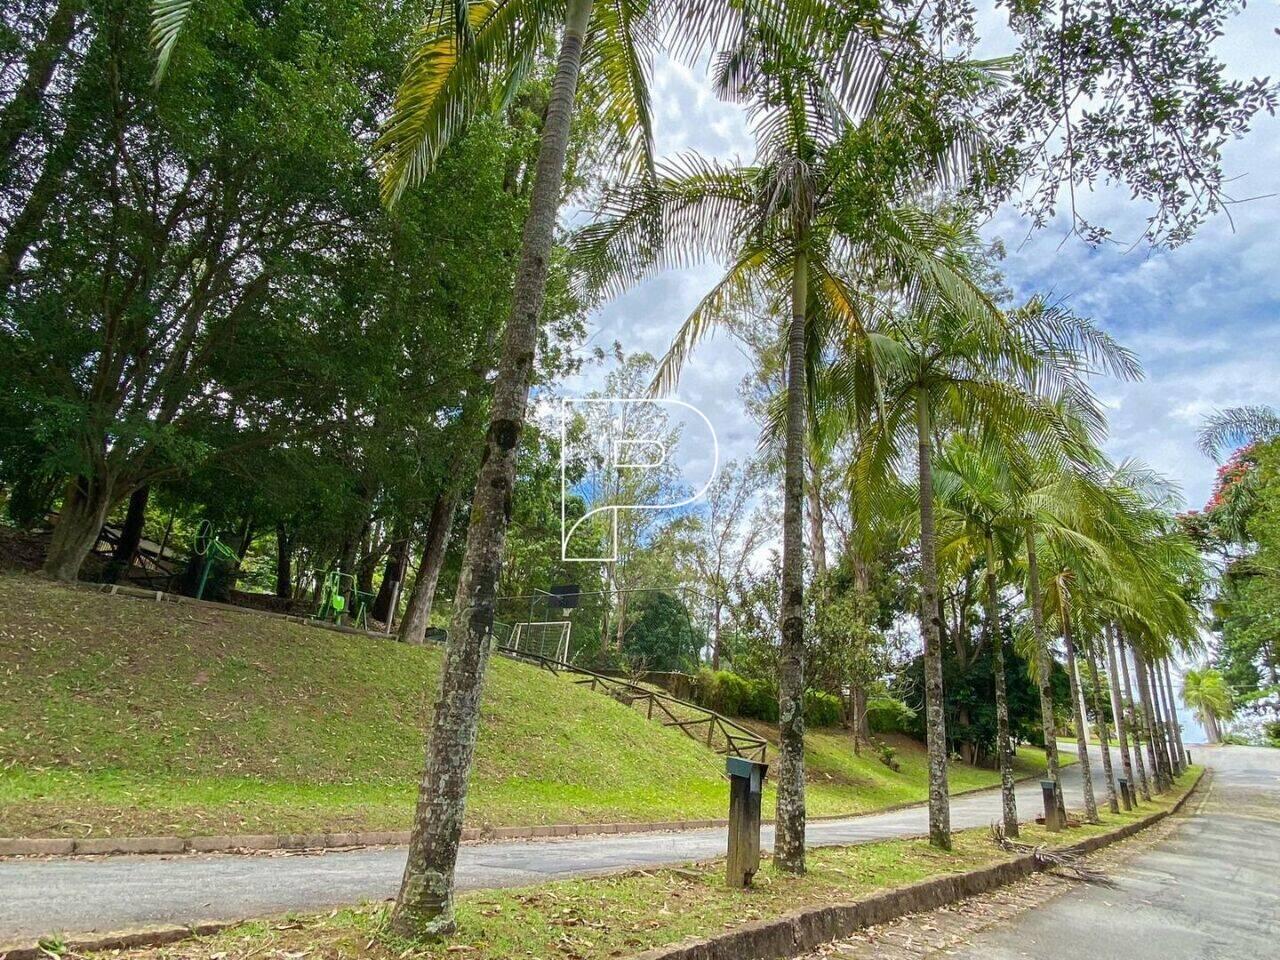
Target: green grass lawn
<point x="121" y="716"/>
<point x="601" y="917"/>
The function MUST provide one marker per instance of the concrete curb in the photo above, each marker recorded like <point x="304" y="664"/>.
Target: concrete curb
<point x="788" y="936"/>
<point x="254" y="843"/>
<point x="802" y="931"/>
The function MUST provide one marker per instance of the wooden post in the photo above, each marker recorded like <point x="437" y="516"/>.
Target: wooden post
<point x="746" y="787"/>
<point x="1052" y="823"/>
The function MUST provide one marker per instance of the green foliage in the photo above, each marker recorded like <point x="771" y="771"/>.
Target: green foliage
<point x="661" y="635"/>
<point x="890" y="715"/>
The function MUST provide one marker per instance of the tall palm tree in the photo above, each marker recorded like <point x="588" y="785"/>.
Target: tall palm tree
<point x="1020" y="374"/>
<point x="790" y="226"/>
<point x="971" y="484"/>
<point x="1205" y="690"/>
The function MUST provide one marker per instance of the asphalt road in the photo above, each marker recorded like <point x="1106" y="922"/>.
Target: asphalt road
<point x="39" y="897"/>
<point x="1210" y="891"/>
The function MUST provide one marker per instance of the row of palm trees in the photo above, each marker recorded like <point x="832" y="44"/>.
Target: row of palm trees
<point x="846" y="221"/>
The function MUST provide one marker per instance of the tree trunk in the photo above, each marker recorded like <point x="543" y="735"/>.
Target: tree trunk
<point x="789" y="834"/>
<point x="1176" y="727"/>
<point x="1211" y="728"/>
<point x="1136" y="727"/>
<point x="131" y="533"/>
<point x="817" y="535"/>
<point x="930" y="622"/>
<point x="1163" y="714"/>
<point x="417" y="617"/>
<point x="424" y="905"/>
<point x="861" y="728"/>
<point x="1004" y="748"/>
<point x="1044" y="667"/>
<point x="1161" y="721"/>
<point x="22" y="112"/>
<point x="1113" y="802"/>
<point x="1155" y="750"/>
<point x="716" y="649"/>
<point x="1117" y="709"/>
<point x="392" y="574"/>
<point x="1082" y="731"/>
<point x="85" y="506"/>
<point x="284" y="565"/>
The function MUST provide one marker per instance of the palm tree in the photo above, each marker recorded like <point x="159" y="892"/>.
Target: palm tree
<point x="790" y="226"/>
<point x="1226" y="429"/>
<point x="971" y="484"/>
<point x="1205" y="690"/>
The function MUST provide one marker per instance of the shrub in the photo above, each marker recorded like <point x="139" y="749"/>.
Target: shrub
<point x="889" y="715"/>
<point x="821" y="709"/>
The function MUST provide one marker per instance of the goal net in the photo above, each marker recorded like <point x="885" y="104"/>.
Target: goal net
<point x="546" y="638"/>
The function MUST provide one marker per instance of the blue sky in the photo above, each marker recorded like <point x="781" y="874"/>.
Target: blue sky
<point x="1202" y="318"/>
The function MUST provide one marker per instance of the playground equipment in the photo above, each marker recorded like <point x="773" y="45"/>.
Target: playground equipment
<point x="339" y="597"/>
<point x="208" y="545"/>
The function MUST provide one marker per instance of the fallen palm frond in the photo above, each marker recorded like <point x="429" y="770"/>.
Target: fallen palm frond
<point x="1060" y="861"/>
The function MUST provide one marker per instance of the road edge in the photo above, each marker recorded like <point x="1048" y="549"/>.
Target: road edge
<point x="788" y="936"/>
<point x="802" y="931"/>
<point x="257" y="843"/>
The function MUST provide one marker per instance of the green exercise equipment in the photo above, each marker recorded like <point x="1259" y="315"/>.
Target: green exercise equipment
<point x="339" y="595"/>
<point x="208" y="545"/>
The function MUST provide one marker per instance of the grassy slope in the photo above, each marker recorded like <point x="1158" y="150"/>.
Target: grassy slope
<point x="121" y="716"/>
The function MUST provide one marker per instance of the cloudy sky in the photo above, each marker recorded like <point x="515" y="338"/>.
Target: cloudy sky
<point x="1203" y="318"/>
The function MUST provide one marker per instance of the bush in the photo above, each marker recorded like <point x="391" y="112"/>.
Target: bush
<point x="737" y="696"/>
<point x="821" y="709"/>
<point x="889" y="715"/>
<point x="734" y="695"/>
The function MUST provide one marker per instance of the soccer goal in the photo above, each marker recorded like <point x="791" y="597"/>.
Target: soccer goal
<point x="546" y="638"/>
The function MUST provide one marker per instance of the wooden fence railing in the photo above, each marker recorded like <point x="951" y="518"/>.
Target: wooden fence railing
<point x="698" y="723"/>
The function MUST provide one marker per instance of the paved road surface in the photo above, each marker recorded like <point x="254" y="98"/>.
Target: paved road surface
<point x="1210" y="891"/>
<point x="84" y="896"/>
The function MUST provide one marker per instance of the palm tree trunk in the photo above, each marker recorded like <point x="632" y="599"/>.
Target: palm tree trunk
<point x="1082" y="732"/>
<point x="1136" y="727"/>
<point x="1117" y="708"/>
<point x="1113" y="802"/>
<point x="817" y="534"/>
<point x="1175" y="726"/>
<point x="1163" y="714"/>
<point x="424" y="906"/>
<point x="935" y="719"/>
<point x="789" y="837"/>
<point x="1155" y="750"/>
<point x="1044" y="667"/>
<point x="1161" y="720"/>
<point x="1004" y="749"/>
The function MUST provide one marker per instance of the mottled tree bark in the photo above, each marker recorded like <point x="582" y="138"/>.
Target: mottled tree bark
<point x="817" y="534"/>
<point x="1113" y="802"/>
<point x="931" y="628"/>
<point x="1137" y="726"/>
<point x="1004" y="749"/>
<point x="1077" y="710"/>
<point x="424" y="906"/>
<point x="1044" y="665"/>
<point x="788" y="849"/>
<point x="417" y="616"/>
<point x="1165" y="713"/>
